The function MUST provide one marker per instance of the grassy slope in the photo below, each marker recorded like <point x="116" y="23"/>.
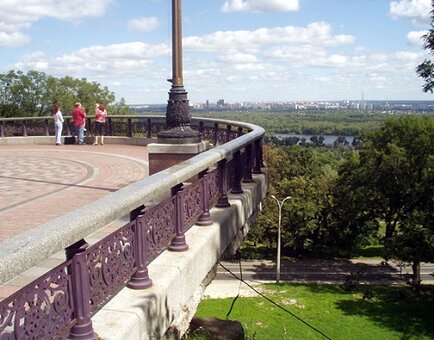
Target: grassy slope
<point x="333" y="311"/>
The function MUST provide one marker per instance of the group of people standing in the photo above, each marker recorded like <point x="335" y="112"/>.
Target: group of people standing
<point x="79" y="118"/>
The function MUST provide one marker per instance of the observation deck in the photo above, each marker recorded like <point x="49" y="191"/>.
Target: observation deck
<point x="91" y="244"/>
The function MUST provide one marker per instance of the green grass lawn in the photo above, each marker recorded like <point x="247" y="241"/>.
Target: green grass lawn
<point x="391" y="312"/>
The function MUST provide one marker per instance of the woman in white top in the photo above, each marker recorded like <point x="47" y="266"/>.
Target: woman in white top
<point x="58" y="123"/>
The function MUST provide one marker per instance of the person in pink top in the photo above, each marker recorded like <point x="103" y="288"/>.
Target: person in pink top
<point x="100" y="118"/>
<point x="79" y="117"/>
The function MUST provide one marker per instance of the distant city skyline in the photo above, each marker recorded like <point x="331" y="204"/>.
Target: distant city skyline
<point x="239" y="50"/>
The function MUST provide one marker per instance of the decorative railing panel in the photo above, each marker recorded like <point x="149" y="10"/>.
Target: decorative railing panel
<point x="214" y="186"/>
<point x="191" y="203"/>
<point x="110" y="263"/>
<point x="160" y="222"/>
<point x="41" y="310"/>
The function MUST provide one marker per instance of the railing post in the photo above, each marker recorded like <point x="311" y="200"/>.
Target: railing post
<point x="24" y="128"/>
<point x="47" y="130"/>
<point x="68" y="127"/>
<point x="236" y="189"/>
<point x="216" y="133"/>
<point x="140" y="279"/>
<point x="149" y="128"/>
<point x="178" y="242"/>
<point x="205" y="218"/>
<point x="2" y="129"/>
<point x="130" y="128"/>
<point x="201" y="127"/>
<point x="259" y="162"/>
<point x="228" y="132"/>
<point x="89" y="125"/>
<point x="249" y="165"/>
<point x="223" y="201"/>
<point x="83" y="329"/>
<point x="110" y="126"/>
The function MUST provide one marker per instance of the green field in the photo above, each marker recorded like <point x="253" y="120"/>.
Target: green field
<point x="387" y="313"/>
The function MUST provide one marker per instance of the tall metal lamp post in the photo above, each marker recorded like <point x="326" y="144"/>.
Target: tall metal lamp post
<point x="177" y="112"/>
<point x="280" y="204"/>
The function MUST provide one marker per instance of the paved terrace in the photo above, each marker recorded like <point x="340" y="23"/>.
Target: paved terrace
<point x="46" y="181"/>
<point x="41" y="182"/>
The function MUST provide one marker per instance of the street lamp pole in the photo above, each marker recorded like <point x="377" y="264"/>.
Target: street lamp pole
<point x="280" y="204"/>
<point x="177" y="111"/>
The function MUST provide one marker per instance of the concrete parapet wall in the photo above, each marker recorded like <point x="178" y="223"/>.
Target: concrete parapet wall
<point x="178" y="278"/>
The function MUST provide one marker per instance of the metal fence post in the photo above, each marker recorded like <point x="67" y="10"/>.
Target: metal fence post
<point x="24" y="128"/>
<point x="140" y="279"/>
<point x="130" y="128"/>
<point x="223" y="201"/>
<point x="236" y="189"/>
<point x="83" y="329"/>
<point x="149" y="128"/>
<point x="47" y="130"/>
<point x="178" y="242"/>
<point x="249" y="165"/>
<point x="216" y="133"/>
<point x="205" y="218"/>
<point x="258" y="157"/>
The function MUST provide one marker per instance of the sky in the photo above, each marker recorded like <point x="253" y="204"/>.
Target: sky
<point x="236" y="50"/>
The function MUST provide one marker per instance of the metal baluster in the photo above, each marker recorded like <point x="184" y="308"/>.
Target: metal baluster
<point x="236" y="189"/>
<point x="223" y="201"/>
<point x="205" y="218"/>
<point x="80" y="282"/>
<point x="249" y="165"/>
<point x="140" y="279"/>
<point x="178" y="242"/>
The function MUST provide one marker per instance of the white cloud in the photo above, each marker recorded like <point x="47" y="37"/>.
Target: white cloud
<point x="128" y="59"/>
<point x="260" y="6"/>
<point x="146" y="24"/>
<point x="414" y="38"/>
<point x="317" y="34"/>
<point x="13" y="39"/>
<point x="235" y="56"/>
<point x="18" y="15"/>
<point x="416" y="10"/>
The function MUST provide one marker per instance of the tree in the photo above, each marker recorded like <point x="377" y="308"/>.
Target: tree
<point x="391" y="180"/>
<point x="307" y="175"/>
<point x="33" y="93"/>
<point x="426" y="69"/>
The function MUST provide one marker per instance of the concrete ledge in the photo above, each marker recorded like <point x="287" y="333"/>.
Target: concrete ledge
<point x="192" y="148"/>
<point x="87" y="139"/>
<point x="178" y="277"/>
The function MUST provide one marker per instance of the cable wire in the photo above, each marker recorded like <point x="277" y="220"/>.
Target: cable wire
<point x="269" y="300"/>
<point x="239" y="290"/>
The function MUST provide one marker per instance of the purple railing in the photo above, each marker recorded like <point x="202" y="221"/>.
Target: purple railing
<point x="126" y="126"/>
<point x="62" y="301"/>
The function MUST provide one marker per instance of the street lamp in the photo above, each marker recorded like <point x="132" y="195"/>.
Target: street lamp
<point x="280" y="204"/>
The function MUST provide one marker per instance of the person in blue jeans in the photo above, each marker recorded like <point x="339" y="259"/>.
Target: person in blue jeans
<point x="79" y="117"/>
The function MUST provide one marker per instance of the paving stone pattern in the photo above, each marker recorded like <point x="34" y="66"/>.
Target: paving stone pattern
<point x="41" y="182"/>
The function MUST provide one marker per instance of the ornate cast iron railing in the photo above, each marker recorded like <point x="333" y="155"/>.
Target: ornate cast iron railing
<point x="217" y="132"/>
<point x="63" y="300"/>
